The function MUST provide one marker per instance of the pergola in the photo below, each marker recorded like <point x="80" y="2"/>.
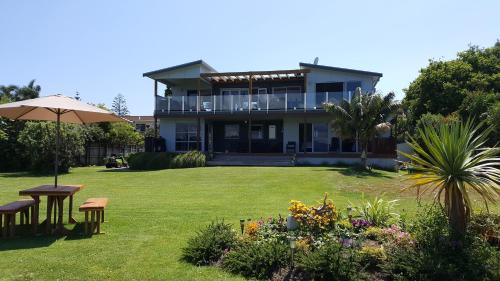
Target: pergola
<point x="249" y="76"/>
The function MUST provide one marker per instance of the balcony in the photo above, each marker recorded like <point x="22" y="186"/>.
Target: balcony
<point x="241" y="103"/>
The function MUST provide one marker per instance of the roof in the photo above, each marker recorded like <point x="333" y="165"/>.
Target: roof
<point x="136" y="118"/>
<point x="255" y="75"/>
<point x="325" y="67"/>
<point x="179" y="66"/>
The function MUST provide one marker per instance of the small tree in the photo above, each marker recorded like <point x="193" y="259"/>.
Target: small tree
<point x="360" y="117"/>
<point x="119" y="105"/>
<point x="452" y="161"/>
<point x="122" y="134"/>
<point x="38" y="140"/>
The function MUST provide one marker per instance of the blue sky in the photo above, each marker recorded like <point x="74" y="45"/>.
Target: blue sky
<point x="101" y="48"/>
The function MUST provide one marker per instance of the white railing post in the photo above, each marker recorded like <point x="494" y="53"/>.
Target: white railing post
<point x="213" y="107"/>
<point x="232" y="103"/>
<point x="326" y="97"/>
<point x="169" y="99"/>
<point x="286" y="101"/>
<point x="198" y="103"/>
<point x="305" y="102"/>
<point x="267" y="103"/>
<point x="182" y="102"/>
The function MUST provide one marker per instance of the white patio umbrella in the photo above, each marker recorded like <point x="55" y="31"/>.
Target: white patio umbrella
<point x="57" y="108"/>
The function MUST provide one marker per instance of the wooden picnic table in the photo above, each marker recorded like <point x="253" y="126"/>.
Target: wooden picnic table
<point x="55" y="203"/>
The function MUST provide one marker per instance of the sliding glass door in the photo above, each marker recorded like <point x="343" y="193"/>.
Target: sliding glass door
<point x="313" y="137"/>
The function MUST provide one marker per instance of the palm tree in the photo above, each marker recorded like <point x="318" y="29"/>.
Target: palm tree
<point x="362" y="117"/>
<point x="7" y="93"/>
<point x="30" y="91"/>
<point x="451" y="161"/>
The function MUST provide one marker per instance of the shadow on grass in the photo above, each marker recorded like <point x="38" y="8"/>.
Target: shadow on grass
<point x="25" y="175"/>
<point x="122" y="170"/>
<point x="25" y="239"/>
<point x="358" y="172"/>
<point x="77" y="233"/>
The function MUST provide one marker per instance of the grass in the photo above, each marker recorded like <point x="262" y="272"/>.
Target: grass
<point x="152" y="214"/>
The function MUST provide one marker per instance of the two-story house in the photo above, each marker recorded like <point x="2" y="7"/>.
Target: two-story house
<point x="261" y="112"/>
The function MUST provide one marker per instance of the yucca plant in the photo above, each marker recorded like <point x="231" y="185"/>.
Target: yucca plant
<point x="451" y="161"/>
<point x="378" y="212"/>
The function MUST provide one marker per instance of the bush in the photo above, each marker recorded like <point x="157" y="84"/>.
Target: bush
<point x="189" y="159"/>
<point x="332" y="261"/>
<point x="39" y="140"/>
<point x="379" y="212"/>
<point x="150" y="160"/>
<point x="257" y="259"/>
<point x="372" y="256"/>
<point x="436" y="255"/>
<point x="210" y="244"/>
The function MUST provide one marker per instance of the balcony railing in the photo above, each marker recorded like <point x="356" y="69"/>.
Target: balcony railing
<point x="245" y="103"/>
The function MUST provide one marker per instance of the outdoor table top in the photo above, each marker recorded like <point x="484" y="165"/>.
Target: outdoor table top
<point x="50" y="190"/>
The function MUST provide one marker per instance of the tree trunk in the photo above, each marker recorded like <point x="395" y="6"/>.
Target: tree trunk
<point x="456" y="210"/>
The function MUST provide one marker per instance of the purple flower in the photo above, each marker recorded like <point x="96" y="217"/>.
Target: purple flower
<point x="361" y="223"/>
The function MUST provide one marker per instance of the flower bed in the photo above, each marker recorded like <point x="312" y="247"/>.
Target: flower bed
<point x="319" y="242"/>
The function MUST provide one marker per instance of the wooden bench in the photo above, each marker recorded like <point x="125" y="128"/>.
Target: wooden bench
<point x="8" y="215"/>
<point x="96" y="208"/>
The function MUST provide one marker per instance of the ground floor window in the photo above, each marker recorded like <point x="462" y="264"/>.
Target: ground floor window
<point x="313" y="137"/>
<point x="257" y="132"/>
<point x="185" y="136"/>
<point x="231" y="131"/>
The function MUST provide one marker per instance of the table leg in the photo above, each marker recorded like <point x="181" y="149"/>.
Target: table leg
<point x="33" y="220"/>
<point x="60" y="203"/>
<point x="70" y="216"/>
<point x="50" y="200"/>
<point x="12" y="225"/>
<point x="34" y="213"/>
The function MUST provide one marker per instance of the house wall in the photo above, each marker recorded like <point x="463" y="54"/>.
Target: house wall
<point x="167" y="130"/>
<point x="329" y="76"/>
<point x="291" y="128"/>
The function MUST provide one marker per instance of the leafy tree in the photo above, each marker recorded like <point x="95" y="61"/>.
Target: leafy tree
<point x="443" y="86"/>
<point x="483" y="106"/>
<point x="3" y="135"/>
<point x="38" y="139"/>
<point x="12" y="151"/>
<point x="358" y="118"/>
<point x="122" y="134"/>
<point x="29" y="91"/>
<point x="119" y="105"/>
<point x="7" y="93"/>
<point x="452" y="161"/>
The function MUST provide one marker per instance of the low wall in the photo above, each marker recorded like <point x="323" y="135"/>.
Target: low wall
<point x="384" y="163"/>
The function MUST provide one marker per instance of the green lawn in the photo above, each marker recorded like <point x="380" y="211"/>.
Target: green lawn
<point x="152" y="214"/>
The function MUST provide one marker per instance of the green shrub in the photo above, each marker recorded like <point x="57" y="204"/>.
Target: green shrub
<point x="373" y="233"/>
<point x="379" y="212"/>
<point x="150" y="160"/>
<point x="257" y="259"/>
<point x="332" y="261"/>
<point x="372" y="256"/>
<point x="189" y="159"/>
<point x="436" y="255"/>
<point x="210" y="243"/>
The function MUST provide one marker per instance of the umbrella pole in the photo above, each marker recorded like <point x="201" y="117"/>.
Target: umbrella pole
<point x="58" y="133"/>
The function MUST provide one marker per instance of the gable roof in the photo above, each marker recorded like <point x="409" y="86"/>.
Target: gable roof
<point x="179" y="66"/>
<point x="325" y="67"/>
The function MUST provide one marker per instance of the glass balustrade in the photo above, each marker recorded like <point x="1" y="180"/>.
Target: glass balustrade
<point x="239" y="101"/>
